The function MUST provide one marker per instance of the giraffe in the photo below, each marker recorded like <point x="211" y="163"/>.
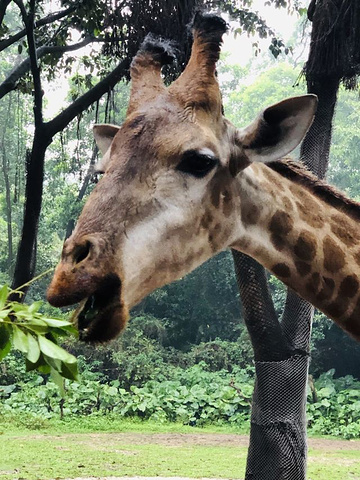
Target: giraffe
<point x="181" y="183"/>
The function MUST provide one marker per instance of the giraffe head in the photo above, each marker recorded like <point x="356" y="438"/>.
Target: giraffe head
<point x="169" y="196"/>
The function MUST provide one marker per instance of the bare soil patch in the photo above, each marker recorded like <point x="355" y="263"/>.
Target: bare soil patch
<point x="203" y="439"/>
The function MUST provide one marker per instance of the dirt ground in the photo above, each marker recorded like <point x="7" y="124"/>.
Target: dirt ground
<point x="205" y="439"/>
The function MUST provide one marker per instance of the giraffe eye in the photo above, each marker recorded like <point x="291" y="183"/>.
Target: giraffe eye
<point x="197" y="163"/>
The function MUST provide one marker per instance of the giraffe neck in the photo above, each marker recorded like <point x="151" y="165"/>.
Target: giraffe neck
<point x="305" y="234"/>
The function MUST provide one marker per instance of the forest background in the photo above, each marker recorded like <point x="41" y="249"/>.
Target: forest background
<point x="186" y="355"/>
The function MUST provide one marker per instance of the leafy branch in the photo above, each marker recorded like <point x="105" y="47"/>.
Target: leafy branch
<point x="43" y="21"/>
<point x="24" y="328"/>
<point x="10" y="83"/>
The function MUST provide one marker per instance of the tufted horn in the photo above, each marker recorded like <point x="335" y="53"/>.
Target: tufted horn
<point x="145" y="70"/>
<point x="197" y="85"/>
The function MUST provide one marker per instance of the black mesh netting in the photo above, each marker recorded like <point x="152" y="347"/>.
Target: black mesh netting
<point x="277" y="447"/>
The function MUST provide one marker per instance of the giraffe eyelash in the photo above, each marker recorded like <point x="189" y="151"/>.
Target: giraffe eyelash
<point x="197" y="164"/>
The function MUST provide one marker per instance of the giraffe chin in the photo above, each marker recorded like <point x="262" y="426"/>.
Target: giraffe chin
<point x="103" y="315"/>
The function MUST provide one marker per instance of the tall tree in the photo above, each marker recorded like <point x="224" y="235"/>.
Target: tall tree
<point x="278" y="430"/>
<point x="123" y="32"/>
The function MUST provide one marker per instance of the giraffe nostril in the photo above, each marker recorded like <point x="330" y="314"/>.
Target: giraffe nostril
<point x="81" y="252"/>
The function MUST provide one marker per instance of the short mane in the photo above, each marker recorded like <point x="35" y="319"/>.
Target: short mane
<point x="297" y="172"/>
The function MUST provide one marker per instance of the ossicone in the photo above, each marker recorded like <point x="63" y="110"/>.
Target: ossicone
<point x="145" y="70"/>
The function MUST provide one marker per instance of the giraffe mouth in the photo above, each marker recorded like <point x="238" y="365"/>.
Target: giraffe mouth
<point x="103" y="315"/>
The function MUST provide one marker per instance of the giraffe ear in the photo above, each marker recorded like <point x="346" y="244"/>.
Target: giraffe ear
<point x="278" y="129"/>
<point x="104" y="135"/>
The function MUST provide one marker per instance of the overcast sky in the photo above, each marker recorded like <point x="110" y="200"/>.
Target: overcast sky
<point x="278" y="19"/>
<point x="240" y="49"/>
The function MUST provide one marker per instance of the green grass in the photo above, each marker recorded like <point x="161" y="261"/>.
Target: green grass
<point x="32" y="448"/>
<point x="341" y="464"/>
<point x="13" y="423"/>
<point x="39" y="457"/>
<point x="44" y="456"/>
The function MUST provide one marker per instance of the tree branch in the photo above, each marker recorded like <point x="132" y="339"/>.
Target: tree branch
<point x="3" y="6"/>
<point x="65" y="117"/>
<point x="9" y="83"/>
<point x="43" y="21"/>
<point x="29" y="19"/>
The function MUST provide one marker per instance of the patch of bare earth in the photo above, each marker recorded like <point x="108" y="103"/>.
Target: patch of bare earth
<point x="201" y="439"/>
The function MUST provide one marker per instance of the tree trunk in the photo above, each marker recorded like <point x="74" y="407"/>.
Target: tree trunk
<point x="5" y="169"/>
<point x="278" y="421"/>
<point x="316" y="145"/>
<point x="277" y="446"/>
<point x="26" y="254"/>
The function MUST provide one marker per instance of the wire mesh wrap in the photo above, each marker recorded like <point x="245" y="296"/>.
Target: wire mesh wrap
<point x="277" y="448"/>
<point x="267" y="337"/>
<point x="297" y="330"/>
<point x="316" y="145"/>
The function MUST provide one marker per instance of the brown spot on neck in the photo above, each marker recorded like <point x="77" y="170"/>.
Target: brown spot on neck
<point x="249" y="213"/>
<point x="344" y="230"/>
<point x="281" y="223"/>
<point x="305" y="246"/>
<point x="310" y="213"/>
<point x="349" y="286"/>
<point x="302" y="268"/>
<point x="280" y="226"/>
<point x="334" y="257"/>
<point x="327" y="290"/>
<point x="281" y="270"/>
<point x="313" y="284"/>
<point x="337" y="308"/>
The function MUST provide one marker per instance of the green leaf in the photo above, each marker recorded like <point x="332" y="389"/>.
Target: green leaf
<point x="38" y="329"/>
<point x="4" y="292"/>
<point x="46" y="369"/>
<point x="39" y="365"/>
<point x="53" y="362"/>
<point x="70" y="371"/>
<point x="5" y="342"/>
<point x="59" y="381"/>
<point x="34" y="307"/>
<point x="54" y="322"/>
<point x="4" y="313"/>
<point x="33" y="353"/>
<point x="54" y="351"/>
<point x="20" y="340"/>
<point x="38" y="321"/>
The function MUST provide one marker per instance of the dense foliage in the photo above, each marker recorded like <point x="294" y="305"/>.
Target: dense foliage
<point x="195" y="395"/>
